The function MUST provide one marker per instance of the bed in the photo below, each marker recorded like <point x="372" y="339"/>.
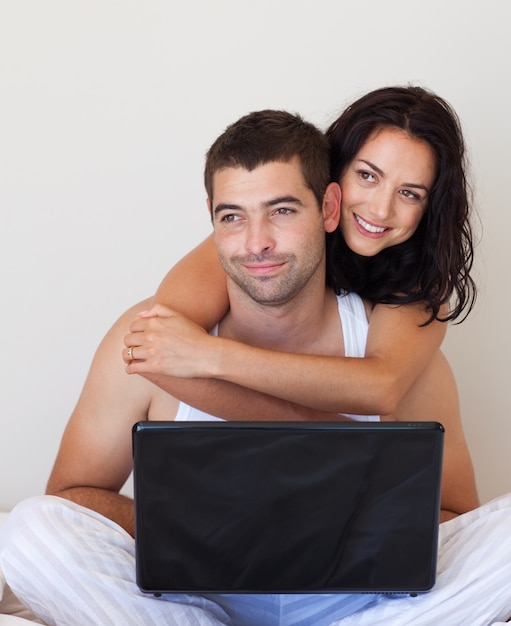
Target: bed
<point x="12" y="612"/>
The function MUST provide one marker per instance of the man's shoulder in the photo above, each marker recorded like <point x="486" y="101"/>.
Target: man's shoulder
<point x="108" y="377"/>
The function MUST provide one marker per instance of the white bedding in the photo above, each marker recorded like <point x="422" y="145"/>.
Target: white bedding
<point x="12" y="612"/>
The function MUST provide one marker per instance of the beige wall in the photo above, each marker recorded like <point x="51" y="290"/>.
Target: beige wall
<point x="107" y="108"/>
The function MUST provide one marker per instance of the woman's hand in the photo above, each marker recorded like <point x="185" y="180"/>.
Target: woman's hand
<point x="163" y="341"/>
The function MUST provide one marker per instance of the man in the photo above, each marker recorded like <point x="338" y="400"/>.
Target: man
<point x="71" y="559"/>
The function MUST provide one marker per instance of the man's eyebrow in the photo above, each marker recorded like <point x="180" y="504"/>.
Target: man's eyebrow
<point x="268" y="204"/>
<point x="226" y="207"/>
<point x="382" y="174"/>
<point x="283" y="200"/>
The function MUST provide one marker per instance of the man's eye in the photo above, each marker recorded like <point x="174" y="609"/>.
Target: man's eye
<point x="230" y="218"/>
<point x="283" y="211"/>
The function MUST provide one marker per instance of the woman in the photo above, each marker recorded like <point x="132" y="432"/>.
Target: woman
<point x="404" y="239"/>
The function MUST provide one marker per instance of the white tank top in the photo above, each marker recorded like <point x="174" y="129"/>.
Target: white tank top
<point x="354" y="331"/>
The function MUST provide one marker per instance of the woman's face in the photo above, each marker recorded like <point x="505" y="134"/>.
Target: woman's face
<point x="385" y="191"/>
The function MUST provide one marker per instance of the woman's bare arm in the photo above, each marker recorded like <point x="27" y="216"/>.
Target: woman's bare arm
<point x="196" y="286"/>
<point x="398" y="349"/>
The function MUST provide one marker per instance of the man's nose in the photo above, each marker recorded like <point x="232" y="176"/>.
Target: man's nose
<point x="259" y="237"/>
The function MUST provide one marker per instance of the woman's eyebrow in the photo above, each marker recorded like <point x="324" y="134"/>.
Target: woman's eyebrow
<point x="382" y="174"/>
<point x="374" y="167"/>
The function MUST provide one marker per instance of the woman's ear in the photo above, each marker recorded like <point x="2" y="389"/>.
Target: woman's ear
<point x="332" y="207"/>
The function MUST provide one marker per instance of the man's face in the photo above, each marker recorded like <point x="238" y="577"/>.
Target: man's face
<point x="269" y="230"/>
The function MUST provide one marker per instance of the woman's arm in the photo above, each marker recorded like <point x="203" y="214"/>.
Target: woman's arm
<point x="196" y="286"/>
<point x="396" y="353"/>
<point x="398" y="349"/>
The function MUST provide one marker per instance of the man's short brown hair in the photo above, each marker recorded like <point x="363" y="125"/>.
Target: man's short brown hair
<point x="267" y="136"/>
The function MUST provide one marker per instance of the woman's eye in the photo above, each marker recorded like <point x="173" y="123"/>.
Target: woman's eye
<point x="368" y="176"/>
<point x="410" y="194"/>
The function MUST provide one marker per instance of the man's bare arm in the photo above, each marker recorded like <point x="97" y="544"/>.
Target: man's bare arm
<point x="434" y="397"/>
<point x="95" y="457"/>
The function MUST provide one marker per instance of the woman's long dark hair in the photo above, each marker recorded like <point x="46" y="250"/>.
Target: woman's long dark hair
<point x="434" y="264"/>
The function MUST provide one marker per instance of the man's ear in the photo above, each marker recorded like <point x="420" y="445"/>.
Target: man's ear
<point x="208" y="203"/>
<point x="332" y="207"/>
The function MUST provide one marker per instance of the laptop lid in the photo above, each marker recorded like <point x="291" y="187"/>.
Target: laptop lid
<point x="265" y="507"/>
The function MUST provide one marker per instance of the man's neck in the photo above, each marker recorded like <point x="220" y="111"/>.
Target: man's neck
<point x="307" y="324"/>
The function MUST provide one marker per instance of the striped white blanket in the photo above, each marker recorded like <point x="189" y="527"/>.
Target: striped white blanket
<point x="71" y="566"/>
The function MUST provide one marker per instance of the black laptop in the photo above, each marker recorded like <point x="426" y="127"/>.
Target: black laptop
<point x="280" y="507"/>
